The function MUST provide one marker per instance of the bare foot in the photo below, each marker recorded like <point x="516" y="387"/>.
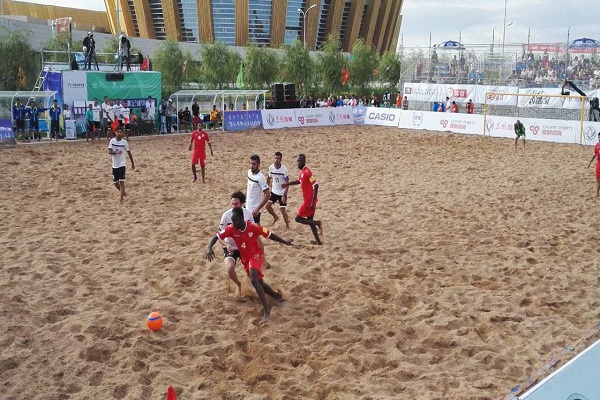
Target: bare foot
<point x="316" y="242"/>
<point x="265" y="318"/>
<point x="275" y="219"/>
<point x="238" y="292"/>
<point x="195" y="179"/>
<point x="320" y="226"/>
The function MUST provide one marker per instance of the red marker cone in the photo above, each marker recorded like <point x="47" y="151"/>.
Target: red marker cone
<point x="171" y="393"/>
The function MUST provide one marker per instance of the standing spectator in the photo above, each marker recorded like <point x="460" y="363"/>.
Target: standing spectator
<point x="399" y="100"/>
<point x="169" y="112"/>
<point x="66" y="116"/>
<point x="104" y="119"/>
<point x="126" y="114"/>
<point x="89" y="119"/>
<point x="19" y="117"/>
<point x="117" y="108"/>
<point x="163" y="117"/>
<point x="97" y="110"/>
<point x="187" y="118"/>
<point x="150" y="109"/>
<point x="112" y="120"/>
<point x="34" y="119"/>
<point x="195" y="114"/>
<point x="405" y="103"/>
<point x="448" y="106"/>
<point x="54" y="120"/>
<point x="214" y="117"/>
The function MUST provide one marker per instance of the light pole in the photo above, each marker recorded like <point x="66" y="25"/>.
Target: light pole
<point x="304" y="21"/>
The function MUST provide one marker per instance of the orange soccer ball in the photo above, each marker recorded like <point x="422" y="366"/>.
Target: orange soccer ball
<point x="154" y="321"/>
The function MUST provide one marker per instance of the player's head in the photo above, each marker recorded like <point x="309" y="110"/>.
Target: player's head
<point x="238" y="199"/>
<point x="119" y="133"/>
<point x="278" y="157"/>
<point x="254" y="163"/>
<point x="237" y="218"/>
<point x="301" y="160"/>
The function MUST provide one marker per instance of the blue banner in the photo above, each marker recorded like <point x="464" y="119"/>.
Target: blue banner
<point x="241" y="120"/>
<point x="7" y="135"/>
<point x="53" y="82"/>
<point x="359" y="114"/>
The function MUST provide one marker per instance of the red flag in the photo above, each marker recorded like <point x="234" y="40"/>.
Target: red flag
<point x="171" y="393"/>
<point x="345" y="76"/>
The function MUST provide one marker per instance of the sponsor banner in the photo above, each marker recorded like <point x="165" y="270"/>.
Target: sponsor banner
<point x="242" y="120"/>
<point x="74" y="85"/>
<point x="590" y="133"/>
<point x="576" y="380"/>
<point x="359" y="114"/>
<point x="539" y="99"/>
<point x="428" y="92"/>
<point x="324" y="116"/>
<point x="7" y="135"/>
<point x="53" y="82"/>
<point x="495" y="95"/>
<point x="559" y="48"/>
<point x="471" y="124"/>
<point x="382" y="116"/>
<point x="548" y="130"/>
<point x="276" y="119"/>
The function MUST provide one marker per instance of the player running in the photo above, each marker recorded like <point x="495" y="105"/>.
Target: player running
<point x="246" y="234"/>
<point x="310" y="189"/>
<point x="278" y="175"/>
<point x="199" y="140"/>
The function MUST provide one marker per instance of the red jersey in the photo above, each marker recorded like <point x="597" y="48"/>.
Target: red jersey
<point x="470" y="108"/>
<point x="307" y="183"/>
<point x="246" y="240"/>
<point x="200" y="139"/>
<point x="597" y="153"/>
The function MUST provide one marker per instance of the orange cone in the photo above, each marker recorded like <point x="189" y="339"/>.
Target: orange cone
<point x="171" y="393"/>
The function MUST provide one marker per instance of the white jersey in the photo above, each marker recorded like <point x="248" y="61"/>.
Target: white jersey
<point x="226" y="220"/>
<point x="96" y="112"/>
<point x="279" y="177"/>
<point x="125" y="113"/>
<point x="118" y="160"/>
<point x="257" y="184"/>
<point x="104" y="107"/>
<point x="110" y="111"/>
<point x="117" y="111"/>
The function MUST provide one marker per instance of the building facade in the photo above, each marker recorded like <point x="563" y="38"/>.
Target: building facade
<point x="265" y="22"/>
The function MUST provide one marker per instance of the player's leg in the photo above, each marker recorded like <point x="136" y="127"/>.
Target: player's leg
<point x="283" y="209"/>
<point x="269" y="207"/>
<point x="597" y="187"/>
<point x="202" y="168"/>
<point x="313" y="226"/>
<point x="523" y="142"/>
<point x="230" y="265"/>
<point x="194" y="162"/>
<point x="269" y="290"/>
<point x="123" y="192"/>
<point x="516" y="142"/>
<point x="255" y="278"/>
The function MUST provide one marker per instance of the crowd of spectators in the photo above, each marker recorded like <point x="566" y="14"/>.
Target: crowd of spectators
<point x="543" y="69"/>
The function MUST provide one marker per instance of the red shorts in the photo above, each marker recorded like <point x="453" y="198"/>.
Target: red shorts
<point x="305" y="212"/>
<point x="199" y="157"/>
<point x="598" y="171"/>
<point x="196" y="120"/>
<point x="256" y="263"/>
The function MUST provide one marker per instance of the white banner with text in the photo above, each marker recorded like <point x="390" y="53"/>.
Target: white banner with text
<point x="382" y="116"/>
<point x="471" y="124"/>
<point x="277" y="119"/>
<point x="324" y="116"/>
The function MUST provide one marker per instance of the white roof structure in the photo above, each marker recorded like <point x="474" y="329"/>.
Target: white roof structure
<point x="41" y="97"/>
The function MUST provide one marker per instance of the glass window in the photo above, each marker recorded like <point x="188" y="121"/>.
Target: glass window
<point x="260" y="12"/>
<point x="322" y="29"/>
<point x="224" y="21"/>
<point x="157" y="19"/>
<point x="293" y="21"/>
<point x="188" y="15"/>
<point x="344" y="25"/>
<point x="133" y="17"/>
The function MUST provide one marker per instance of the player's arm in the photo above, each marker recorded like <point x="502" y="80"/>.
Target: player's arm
<point x="131" y="158"/>
<point x="313" y="203"/>
<point x="265" y="198"/>
<point x="210" y="254"/>
<point x="276" y="238"/>
<point x="292" y="183"/>
<point x="210" y="147"/>
<point x="191" y="142"/>
<point x="593" y="158"/>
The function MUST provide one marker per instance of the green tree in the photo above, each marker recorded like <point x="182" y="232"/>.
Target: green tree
<point x="219" y="65"/>
<point x="20" y="65"/>
<point x="298" y="66"/>
<point x="330" y="62"/>
<point x="363" y="64"/>
<point x="169" y="60"/>
<point x="261" y="67"/>
<point x="390" y="68"/>
<point x="61" y="43"/>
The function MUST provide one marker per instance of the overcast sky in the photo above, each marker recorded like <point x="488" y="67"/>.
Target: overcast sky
<point x="474" y="21"/>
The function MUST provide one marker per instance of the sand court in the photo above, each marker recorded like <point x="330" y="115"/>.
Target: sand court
<point x="452" y="267"/>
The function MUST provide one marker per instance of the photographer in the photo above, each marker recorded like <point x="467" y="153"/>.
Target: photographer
<point x="124" y="52"/>
<point x="89" y="48"/>
<point x="594" y="109"/>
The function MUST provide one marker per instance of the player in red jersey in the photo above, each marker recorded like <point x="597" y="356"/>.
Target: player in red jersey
<point x="310" y="189"/>
<point x="199" y="140"/>
<point x="597" y="156"/>
<point x="246" y="234"/>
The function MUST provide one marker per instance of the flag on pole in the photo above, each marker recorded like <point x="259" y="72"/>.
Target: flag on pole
<point x="240" y="78"/>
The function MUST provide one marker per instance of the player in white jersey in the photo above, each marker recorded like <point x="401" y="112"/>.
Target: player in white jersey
<point x="278" y="174"/>
<point x="257" y="193"/>
<point x="117" y="149"/>
<point x="230" y="250"/>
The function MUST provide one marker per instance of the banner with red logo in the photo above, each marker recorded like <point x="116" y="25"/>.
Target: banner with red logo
<point x="429" y="92"/>
<point x="548" y="130"/>
<point x="276" y="119"/>
<point x="324" y="116"/>
<point x="471" y="124"/>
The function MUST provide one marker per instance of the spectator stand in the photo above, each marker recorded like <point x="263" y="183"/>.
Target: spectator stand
<point x="42" y="99"/>
<point x="254" y="100"/>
